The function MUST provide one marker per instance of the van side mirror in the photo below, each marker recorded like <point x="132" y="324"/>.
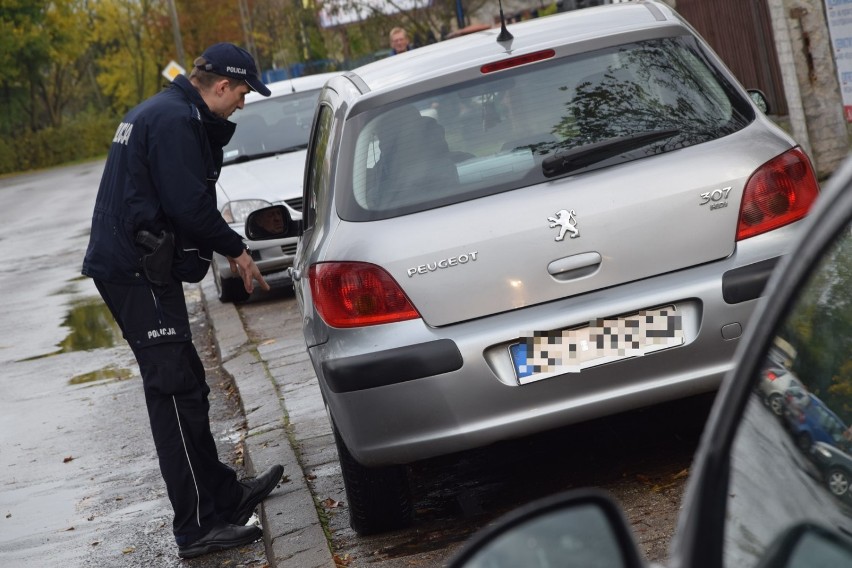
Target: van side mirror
<point x="576" y="529"/>
<point x="271" y="223"/>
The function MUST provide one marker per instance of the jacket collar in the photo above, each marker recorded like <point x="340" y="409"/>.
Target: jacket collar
<point x="219" y="130"/>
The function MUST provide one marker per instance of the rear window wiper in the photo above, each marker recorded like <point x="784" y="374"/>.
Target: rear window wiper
<point x="576" y="158"/>
<point x="248" y="157"/>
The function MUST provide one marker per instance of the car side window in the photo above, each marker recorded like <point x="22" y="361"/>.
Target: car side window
<point x="318" y="164"/>
<point x="791" y="461"/>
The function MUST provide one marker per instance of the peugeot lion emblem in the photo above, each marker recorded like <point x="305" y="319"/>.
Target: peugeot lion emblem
<point x="567" y="222"/>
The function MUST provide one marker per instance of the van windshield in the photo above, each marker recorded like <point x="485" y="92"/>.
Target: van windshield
<point x="534" y="123"/>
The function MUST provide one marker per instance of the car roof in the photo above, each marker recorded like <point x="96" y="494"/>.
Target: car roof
<point x="442" y="58"/>
<point x="288" y="86"/>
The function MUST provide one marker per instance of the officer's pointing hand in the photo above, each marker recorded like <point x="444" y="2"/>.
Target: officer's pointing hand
<point x="244" y="266"/>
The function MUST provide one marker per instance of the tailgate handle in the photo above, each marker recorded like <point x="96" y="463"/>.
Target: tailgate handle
<point x="575" y="266"/>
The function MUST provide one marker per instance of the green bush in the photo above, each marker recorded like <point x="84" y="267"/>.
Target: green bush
<point x="85" y="136"/>
<point x="547" y="10"/>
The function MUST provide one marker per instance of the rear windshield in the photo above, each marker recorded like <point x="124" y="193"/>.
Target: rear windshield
<point x="272" y="126"/>
<point x="534" y="123"/>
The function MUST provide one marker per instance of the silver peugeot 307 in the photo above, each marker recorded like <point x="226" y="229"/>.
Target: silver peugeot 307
<point x="504" y="235"/>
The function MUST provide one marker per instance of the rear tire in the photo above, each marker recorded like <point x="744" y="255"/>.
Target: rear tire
<point x="776" y="404"/>
<point x="379" y="497"/>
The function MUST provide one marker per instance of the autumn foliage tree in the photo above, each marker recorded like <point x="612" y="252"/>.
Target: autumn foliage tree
<point x="69" y="69"/>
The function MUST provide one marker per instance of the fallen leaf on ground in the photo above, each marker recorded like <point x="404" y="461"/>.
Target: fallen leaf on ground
<point x="69" y="529"/>
<point x="331" y="503"/>
<point x="344" y="560"/>
<point x="68" y="459"/>
<point x="128" y="550"/>
<point x="682" y="473"/>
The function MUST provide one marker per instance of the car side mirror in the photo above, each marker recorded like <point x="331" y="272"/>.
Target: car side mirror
<point x="759" y="99"/>
<point x="272" y="222"/>
<point x="576" y="529"/>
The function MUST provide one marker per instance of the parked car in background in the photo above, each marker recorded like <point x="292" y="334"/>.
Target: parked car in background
<point x="813" y="421"/>
<point x="835" y="464"/>
<point x="264" y="165"/>
<point x="505" y="236"/>
<point x="776" y="381"/>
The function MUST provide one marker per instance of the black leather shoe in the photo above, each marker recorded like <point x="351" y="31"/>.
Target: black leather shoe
<point x="221" y="537"/>
<point x="254" y="491"/>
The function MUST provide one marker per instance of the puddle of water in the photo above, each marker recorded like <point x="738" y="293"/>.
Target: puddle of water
<point x="107" y="373"/>
<point x="91" y="325"/>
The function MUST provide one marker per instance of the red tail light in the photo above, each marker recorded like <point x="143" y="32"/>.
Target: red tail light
<point x="780" y="192"/>
<point x="771" y="376"/>
<point x="355" y="294"/>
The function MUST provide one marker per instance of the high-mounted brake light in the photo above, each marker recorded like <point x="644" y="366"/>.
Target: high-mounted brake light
<point x="356" y="294"/>
<point x="778" y="193"/>
<point x="517" y="61"/>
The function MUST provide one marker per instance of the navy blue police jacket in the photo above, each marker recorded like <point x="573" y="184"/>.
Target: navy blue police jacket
<point x="160" y="174"/>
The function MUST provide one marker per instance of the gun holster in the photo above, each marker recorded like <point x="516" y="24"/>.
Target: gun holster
<point x="158" y="253"/>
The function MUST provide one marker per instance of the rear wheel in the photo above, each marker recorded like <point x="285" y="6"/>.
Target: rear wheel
<point x="379" y="497"/>
<point x="837" y="481"/>
<point x="229" y="289"/>
<point x="776" y="404"/>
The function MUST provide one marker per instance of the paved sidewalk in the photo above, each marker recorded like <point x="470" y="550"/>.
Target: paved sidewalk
<point x="293" y="534"/>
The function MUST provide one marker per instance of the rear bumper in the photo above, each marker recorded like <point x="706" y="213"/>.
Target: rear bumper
<point x="400" y="410"/>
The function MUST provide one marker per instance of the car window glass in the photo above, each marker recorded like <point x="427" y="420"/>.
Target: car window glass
<point x="792" y="456"/>
<point x="493" y="134"/>
<point x="274" y="124"/>
<point x="318" y="164"/>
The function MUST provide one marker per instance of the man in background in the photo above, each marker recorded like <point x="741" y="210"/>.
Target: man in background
<point x="399" y="41"/>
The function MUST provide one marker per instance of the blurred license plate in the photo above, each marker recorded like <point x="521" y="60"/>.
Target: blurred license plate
<point x="541" y="355"/>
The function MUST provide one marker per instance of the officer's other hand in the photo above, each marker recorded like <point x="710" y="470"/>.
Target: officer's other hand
<point x="244" y="266"/>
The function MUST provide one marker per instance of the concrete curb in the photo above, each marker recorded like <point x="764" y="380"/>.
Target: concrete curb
<point x="293" y="534"/>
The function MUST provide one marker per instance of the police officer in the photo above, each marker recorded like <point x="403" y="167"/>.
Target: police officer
<point x="155" y="224"/>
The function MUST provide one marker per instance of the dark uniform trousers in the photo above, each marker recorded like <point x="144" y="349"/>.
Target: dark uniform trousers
<point x="203" y="491"/>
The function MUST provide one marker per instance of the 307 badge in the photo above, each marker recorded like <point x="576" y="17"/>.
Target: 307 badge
<point x="717" y="199"/>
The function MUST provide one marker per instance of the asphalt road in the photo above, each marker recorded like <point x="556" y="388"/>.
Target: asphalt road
<point x="79" y="479"/>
